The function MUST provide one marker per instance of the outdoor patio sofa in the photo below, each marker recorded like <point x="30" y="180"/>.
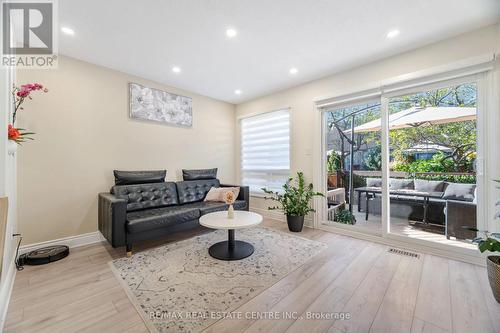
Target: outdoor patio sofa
<point x="452" y="205"/>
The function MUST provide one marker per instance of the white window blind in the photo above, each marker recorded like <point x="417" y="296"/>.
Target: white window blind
<point x="265" y="150"/>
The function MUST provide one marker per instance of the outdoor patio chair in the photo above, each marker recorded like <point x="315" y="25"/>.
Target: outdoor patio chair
<point x="459" y="215"/>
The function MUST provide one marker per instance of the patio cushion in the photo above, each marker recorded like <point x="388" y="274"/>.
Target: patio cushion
<point x="401" y="184"/>
<point x="429" y="185"/>
<point x="463" y="192"/>
<point x="373" y="182"/>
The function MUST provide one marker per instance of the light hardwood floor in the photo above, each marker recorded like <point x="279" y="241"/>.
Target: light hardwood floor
<point x="382" y="292"/>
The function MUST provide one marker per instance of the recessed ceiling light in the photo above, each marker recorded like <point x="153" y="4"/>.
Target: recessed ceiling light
<point x="237" y="92"/>
<point x="392" y="33"/>
<point x="68" y="31"/>
<point x="231" y="32"/>
<point x="293" y="70"/>
<point x="176" y="69"/>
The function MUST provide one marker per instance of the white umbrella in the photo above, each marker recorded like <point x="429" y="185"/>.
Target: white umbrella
<point x="417" y="116"/>
<point x="427" y="147"/>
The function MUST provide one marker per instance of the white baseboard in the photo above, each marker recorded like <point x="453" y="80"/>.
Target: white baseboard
<point x="72" y="241"/>
<point x="6" y="292"/>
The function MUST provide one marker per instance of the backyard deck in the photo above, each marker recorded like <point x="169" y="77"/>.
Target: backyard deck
<point x="404" y="227"/>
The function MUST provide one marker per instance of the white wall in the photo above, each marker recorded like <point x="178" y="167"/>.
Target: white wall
<point x="83" y="132"/>
<point x="300" y="98"/>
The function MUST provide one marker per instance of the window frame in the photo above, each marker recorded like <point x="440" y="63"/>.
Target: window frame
<point x="481" y="72"/>
<point x="260" y="194"/>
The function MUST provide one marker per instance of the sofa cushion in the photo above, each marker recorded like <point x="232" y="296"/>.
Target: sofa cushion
<point x="206" y="207"/>
<point x="423" y="185"/>
<point x="143" y="196"/>
<point x="373" y="182"/>
<point x="401" y="184"/>
<point x="148" y="219"/>
<point x="199" y="174"/>
<point x="240" y="204"/>
<point x="456" y="191"/>
<point x="139" y="177"/>
<point x="218" y="194"/>
<point x="195" y="190"/>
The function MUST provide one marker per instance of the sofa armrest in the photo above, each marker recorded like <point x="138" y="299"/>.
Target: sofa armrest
<point x="244" y="193"/>
<point x="112" y="217"/>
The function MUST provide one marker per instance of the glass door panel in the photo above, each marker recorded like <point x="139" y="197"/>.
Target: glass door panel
<point x="433" y="150"/>
<point x="353" y="166"/>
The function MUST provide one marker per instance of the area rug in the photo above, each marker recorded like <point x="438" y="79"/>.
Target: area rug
<point x="179" y="287"/>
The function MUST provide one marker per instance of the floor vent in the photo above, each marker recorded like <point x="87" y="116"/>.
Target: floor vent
<point x="404" y="253"/>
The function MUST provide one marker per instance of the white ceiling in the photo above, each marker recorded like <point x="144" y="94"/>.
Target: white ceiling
<point x="319" y="37"/>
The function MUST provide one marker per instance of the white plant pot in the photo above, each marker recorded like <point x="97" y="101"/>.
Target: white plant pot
<point x="230" y="212"/>
<point x="11" y="147"/>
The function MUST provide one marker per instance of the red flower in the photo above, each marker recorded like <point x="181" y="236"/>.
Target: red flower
<point x="14" y="133"/>
<point x="26" y="89"/>
<point x="23" y="92"/>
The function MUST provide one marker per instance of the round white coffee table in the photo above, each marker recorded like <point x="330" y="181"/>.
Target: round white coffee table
<point x="230" y="249"/>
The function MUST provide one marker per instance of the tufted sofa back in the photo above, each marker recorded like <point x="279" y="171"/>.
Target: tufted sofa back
<point x="143" y="196"/>
<point x="195" y="190"/>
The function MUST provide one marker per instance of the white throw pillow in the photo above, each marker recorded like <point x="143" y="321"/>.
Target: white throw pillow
<point x="216" y="194"/>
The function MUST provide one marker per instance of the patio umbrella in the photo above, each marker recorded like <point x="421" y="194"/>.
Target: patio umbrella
<point x="425" y="147"/>
<point x="418" y="116"/>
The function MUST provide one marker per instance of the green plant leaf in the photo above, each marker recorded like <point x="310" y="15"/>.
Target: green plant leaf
<point x="296" y="196"/>
<point x="483" y="246"/>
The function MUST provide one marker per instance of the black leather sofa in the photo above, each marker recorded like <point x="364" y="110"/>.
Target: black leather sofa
<point x="144" y="206"/>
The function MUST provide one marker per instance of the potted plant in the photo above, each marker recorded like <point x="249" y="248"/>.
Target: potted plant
<point x="294" y="201"/>
<point x="491" y="242"/>
<point x="333" y="167"/>
<point x="19" y="96"/>
<point x="345" y="216"/>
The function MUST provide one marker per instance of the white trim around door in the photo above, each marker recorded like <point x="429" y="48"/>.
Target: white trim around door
<point x="477" y="70"/>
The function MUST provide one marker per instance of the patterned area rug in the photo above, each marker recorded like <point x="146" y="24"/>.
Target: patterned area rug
<point x="179" y="287"/>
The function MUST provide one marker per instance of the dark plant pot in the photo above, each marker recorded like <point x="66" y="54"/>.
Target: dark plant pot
<point x="493" y="265"/>
<point x="295" y="223"/>
<point x="334" y="179"/>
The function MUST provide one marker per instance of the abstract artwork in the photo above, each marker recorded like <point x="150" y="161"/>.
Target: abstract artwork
<point x="161" y="106"/>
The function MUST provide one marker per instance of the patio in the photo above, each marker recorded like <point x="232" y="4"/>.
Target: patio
<point x="403" y="227"/>
<point x="424" y="205"/>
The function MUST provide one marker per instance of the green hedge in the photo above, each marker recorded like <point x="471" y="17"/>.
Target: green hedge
<point x="464" y="179"/>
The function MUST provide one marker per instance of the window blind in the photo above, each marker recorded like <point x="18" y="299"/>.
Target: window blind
<point x="265" y="150"/>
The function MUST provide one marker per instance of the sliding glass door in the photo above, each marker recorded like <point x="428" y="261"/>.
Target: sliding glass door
<point x="353" y="162"/>
<point x="431" y="192"/>
<point x="433" y="151"/>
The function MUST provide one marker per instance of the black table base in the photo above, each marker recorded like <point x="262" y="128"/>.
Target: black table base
<point x="231" y="249"/>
